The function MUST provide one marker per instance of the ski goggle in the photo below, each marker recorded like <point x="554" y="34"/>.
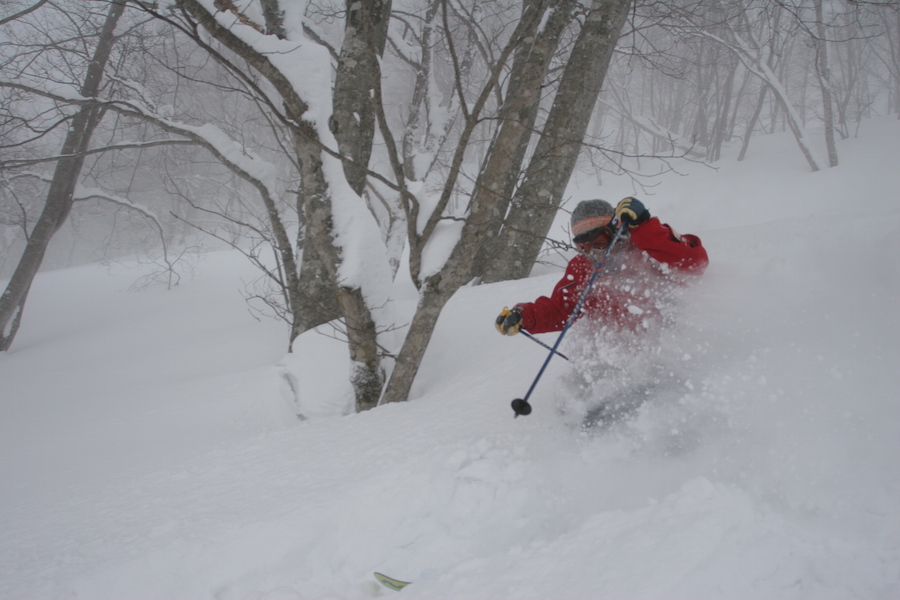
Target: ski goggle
<point x="595" y="231"/>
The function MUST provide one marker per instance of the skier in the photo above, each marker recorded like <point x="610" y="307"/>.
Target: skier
<point x="634" y="282"/>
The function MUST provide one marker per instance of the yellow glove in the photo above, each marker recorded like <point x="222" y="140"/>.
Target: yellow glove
<point x="632" y="212"/>
<point x="509" y="322"/>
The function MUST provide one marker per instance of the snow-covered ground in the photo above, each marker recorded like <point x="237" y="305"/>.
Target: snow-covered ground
<point x="148" y="449"/>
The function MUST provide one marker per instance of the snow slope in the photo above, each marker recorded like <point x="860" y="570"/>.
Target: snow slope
<point x="149" y="449"/>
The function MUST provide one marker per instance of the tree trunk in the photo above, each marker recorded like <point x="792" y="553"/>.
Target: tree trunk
<point x="418" y="127"/>
<point x="823" y="70"/>
<point x="720" y="129"/>
<point x="700" y="131"/>
<point x="503" y="164"/>
<point x="751" y="124"/>
<point x="316" y="293"/>
<point x="353" y="124"/>
<point x="895" y="59"/>
<point x="353" y="121"/>
<point x="62" y="187"/>
<point x="538" y="198"/>
<point x="274" y="18"/>
<point x="367" y="375"/>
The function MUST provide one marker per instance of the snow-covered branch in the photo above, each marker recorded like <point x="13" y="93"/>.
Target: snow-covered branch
<point x="83" y="194"/>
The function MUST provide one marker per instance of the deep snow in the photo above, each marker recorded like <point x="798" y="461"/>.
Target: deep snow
<point x="150" y="447"/>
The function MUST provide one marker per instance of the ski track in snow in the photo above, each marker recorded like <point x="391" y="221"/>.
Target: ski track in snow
<point x="148" y="450"/>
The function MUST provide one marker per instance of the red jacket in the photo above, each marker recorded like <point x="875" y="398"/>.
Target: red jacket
<point x="628" y="289"/>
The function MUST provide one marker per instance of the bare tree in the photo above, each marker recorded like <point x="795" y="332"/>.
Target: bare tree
<point x="60" y="195"/>
<point x="518" y="115"/>
<point x="118" y="168"/>
<point x="740" y="34"/>
<point x="483" y="213"/>
<point x="439" y="286"/>
<point x="24" y="11"/>
<point x="317" y="193"/>
<point x="321" y="194"/>
<point x="422" y="136"/>
<point x="538" y="198"/>
<point x="890" y="16"/>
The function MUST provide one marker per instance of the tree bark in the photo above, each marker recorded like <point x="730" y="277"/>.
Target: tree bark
<point x="539" y="197"/>
<point x="418" y="135"/>
<point x="59" y="200"/>
<point x="367" y="375"/>
<point x="274" y="18"/>
<point x="751" y="124"/>
<point x="823" y="70"/>
<point x="720" y="129"/>
<point x="353" y="120"/>
<point x="318" y="295"/>
<point x="503" y="164"/>
<point x="353" y="126"/>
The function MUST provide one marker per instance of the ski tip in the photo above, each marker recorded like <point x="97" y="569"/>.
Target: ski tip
<point x="390" y="582"/>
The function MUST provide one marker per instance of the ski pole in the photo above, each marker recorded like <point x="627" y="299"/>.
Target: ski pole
<point x="537" y="341"/>
<point x="520" y="406"/>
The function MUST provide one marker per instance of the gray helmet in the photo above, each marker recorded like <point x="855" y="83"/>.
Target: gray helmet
<point x="589" y="216"/>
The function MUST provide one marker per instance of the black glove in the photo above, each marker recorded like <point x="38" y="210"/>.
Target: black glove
<point x="632" y="212"/>
<point x="509" y="322"/>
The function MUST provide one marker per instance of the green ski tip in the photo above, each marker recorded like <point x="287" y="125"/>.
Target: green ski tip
<point x="390" y="582"/>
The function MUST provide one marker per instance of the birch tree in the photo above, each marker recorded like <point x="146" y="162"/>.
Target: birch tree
<point x="438" y="285"/>
<point x="538" y="198"/>
<point x="335" y="216"/>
